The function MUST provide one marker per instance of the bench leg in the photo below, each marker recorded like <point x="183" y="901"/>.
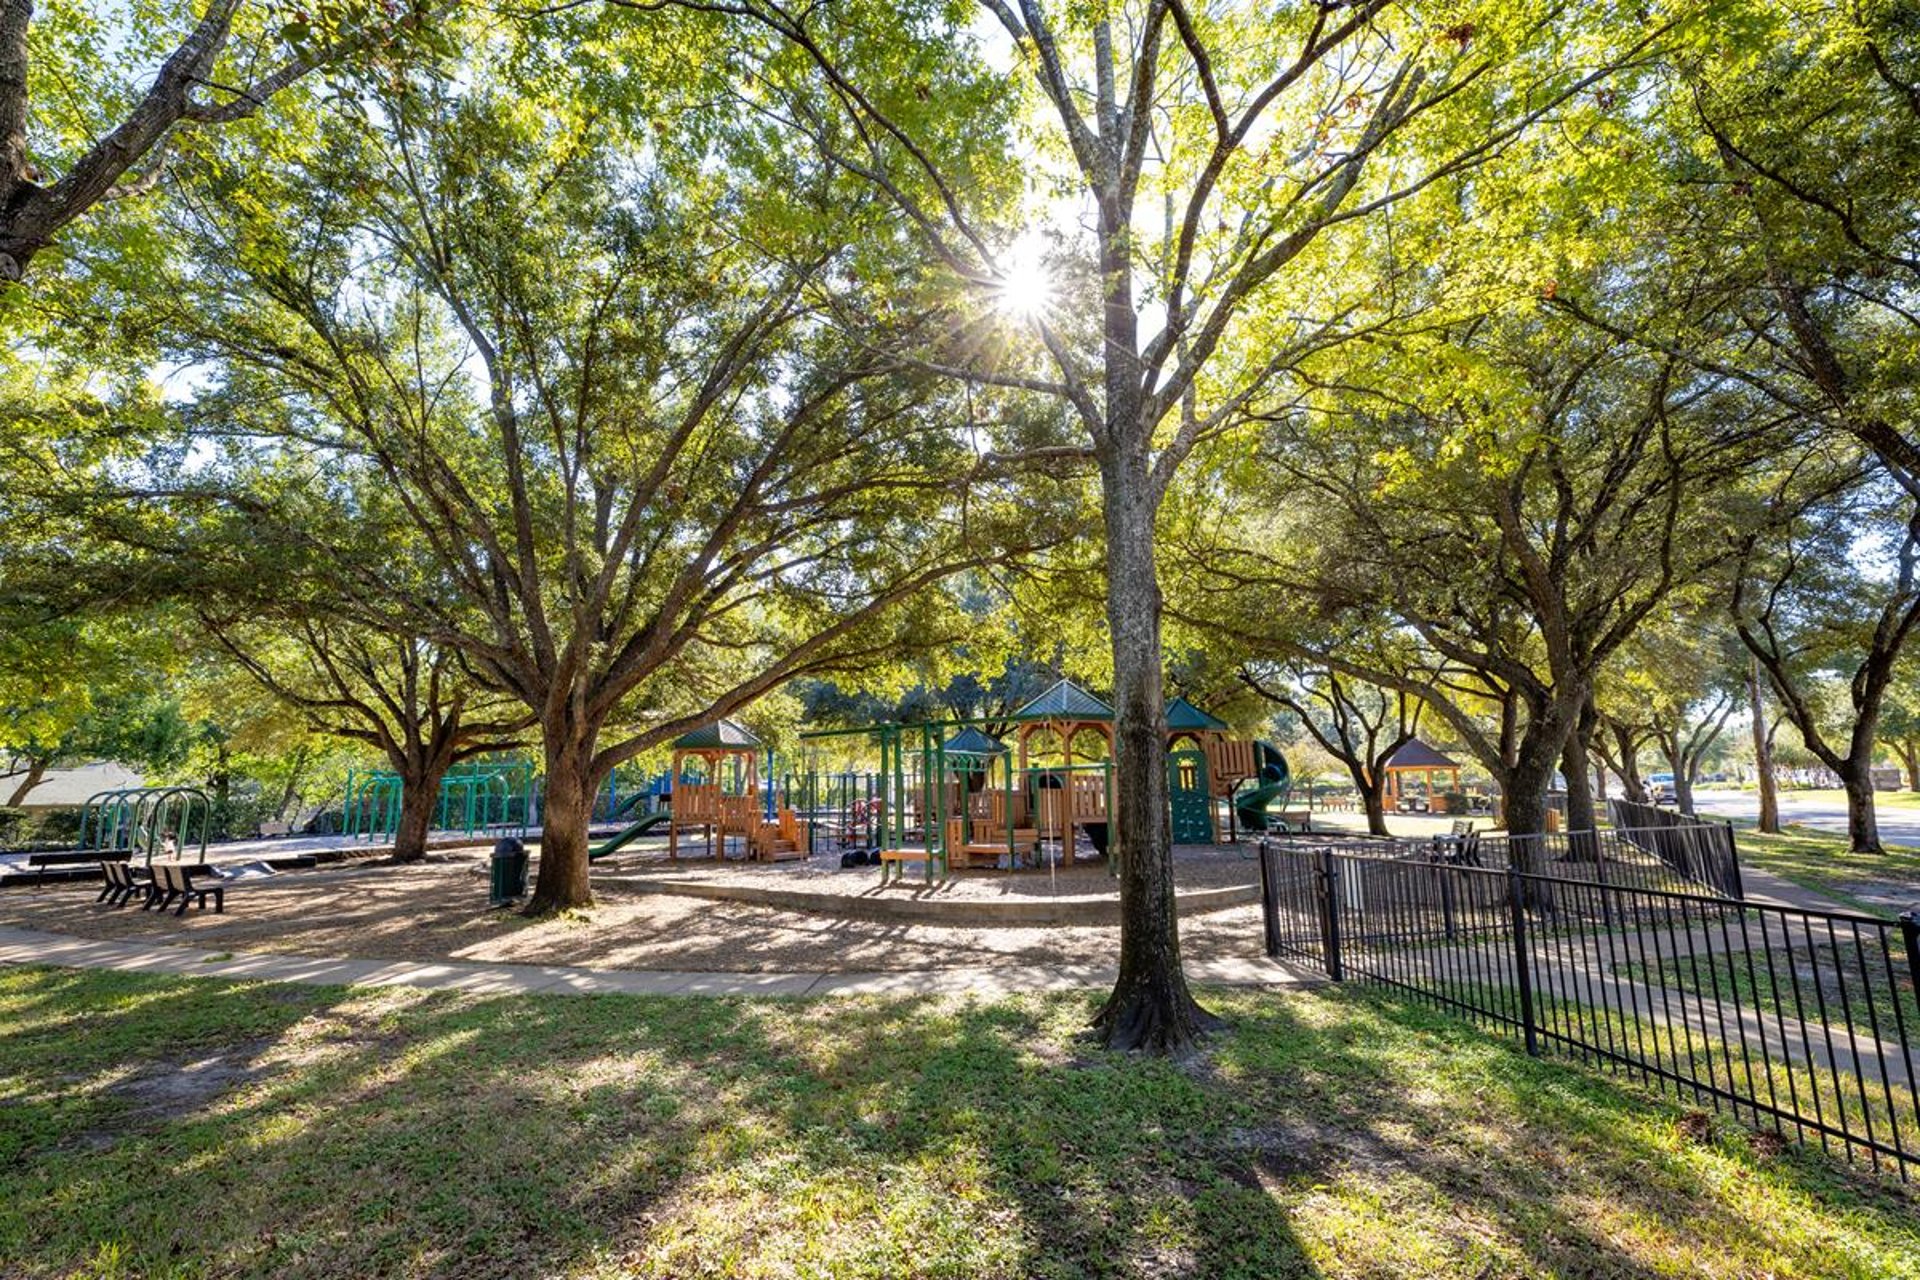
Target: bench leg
<point x="186" y="899"/>
<point x="219" y="900"/>
<point x="106" y="891"/>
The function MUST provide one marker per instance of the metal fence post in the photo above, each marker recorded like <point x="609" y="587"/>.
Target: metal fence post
<point x="1330" y="911"/>
<point x="1522" y="963"/>
<point x="1734" y="887"/>
<point x="1910" y="934"/>
<point x="1269" y="897"/>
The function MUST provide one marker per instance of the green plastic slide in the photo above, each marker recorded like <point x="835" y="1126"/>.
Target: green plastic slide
<point x="616" y="843"/>
<point x="1276" y="784"/>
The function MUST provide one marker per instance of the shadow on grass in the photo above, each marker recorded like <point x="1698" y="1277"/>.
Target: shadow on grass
<point x="360" y="1133"/>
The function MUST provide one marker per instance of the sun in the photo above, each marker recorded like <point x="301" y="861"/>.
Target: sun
<point x="1023" y="289"/>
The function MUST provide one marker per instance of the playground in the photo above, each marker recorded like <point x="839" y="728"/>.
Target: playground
<point x="936" y="845"/>
<point x="947" y="795"/>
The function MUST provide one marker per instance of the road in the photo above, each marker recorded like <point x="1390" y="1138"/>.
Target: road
<point x="1820" y="810"/>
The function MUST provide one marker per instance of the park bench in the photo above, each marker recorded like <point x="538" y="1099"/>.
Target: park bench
<point x="192" y="883"/>
<point x="121" y="883"/>
<point x="1461" y="848"/>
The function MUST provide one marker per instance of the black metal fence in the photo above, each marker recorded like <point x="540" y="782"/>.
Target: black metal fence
<point x="1700" y="849"/>
<point x="1799" y="1022"/>
<point x="1685" y="857"/>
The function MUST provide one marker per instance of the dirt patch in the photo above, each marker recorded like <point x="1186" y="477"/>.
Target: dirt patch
<point x="439" y="911"/>
<point x="177" y="1087"/>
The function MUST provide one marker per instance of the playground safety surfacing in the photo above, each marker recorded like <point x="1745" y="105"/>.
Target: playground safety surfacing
<point x="650" y="915"/>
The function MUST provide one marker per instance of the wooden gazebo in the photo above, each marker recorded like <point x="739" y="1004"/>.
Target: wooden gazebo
<point x="1418" y="760"/>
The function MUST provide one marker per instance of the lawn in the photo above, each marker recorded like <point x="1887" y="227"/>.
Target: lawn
<point x="1822" y="862"/>
<point x="175" y="1127"/>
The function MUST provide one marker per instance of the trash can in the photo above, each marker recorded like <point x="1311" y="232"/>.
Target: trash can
<point x="509" y="879"/>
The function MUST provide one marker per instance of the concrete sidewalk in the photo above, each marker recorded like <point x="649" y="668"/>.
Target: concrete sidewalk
<point x="33" y="946"/>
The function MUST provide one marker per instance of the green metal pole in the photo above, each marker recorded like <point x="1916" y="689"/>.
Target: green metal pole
<point x="1008" y="816"/>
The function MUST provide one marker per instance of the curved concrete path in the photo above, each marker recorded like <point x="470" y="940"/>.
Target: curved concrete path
<point x="34" y="946"/>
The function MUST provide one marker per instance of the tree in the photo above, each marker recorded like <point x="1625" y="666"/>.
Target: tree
<point x="1218" y="156"/>
<point x="1779" y="173"/>
<point x="1619" y="743"/>
<point x="58" y="93"/>
<point x="74" y="691"/>
<point x="1573" y="478"/>
<point x="1361" y="725"/>
<point x="1764" y="727"/>
<point x="407" y="699"/>
<point x="1808" y="601"/>
<point x="1676" y="685"/>
<point x="1900" y="729"/>
<point x="648" y="484"/>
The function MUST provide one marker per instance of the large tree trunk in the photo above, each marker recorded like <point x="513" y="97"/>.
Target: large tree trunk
<point x="1863" y="825"/>
<point x="291" y="791"/>
<point x="563" y="880"/>
<point x="1576" y="763"/>
<point x="1373" y="797"/>
<point x="36" y="774"/>
<point x="1763" y="753"/>
<point x="1530" y="777"/>
<point x="1682" y="770"/>
<point x="1628" y="749"/>
<point x="1582" y="843"/>
<point x="1910" y="757"/>
<point x="1151" y="1007"/>
<point x="419" y="797"/>
<point x="1525" y="785"/>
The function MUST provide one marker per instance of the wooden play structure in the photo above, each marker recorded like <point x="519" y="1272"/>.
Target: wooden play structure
<point x="727" y="802"/>
<point x="966" y="799"/>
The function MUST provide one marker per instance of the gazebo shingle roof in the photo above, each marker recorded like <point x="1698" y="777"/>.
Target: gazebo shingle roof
<point x="1418" y="755"/>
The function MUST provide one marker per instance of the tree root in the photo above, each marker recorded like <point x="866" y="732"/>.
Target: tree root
<point x="1153" y="1018"/>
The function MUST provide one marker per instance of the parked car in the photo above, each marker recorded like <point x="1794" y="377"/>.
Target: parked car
<point x="1660" y="788"/>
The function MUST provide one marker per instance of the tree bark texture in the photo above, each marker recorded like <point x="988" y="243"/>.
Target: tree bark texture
<point x="563" y="883"/>
<point x="1151" y="1006"/>
<point x="1763" y="752"/>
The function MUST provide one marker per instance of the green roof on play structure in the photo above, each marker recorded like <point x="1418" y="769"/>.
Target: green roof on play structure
<point x="972" y="742"/>
<point x="721" y="735"/>
<point x="1065" y="701"/>
<point x="1182" y="714"/>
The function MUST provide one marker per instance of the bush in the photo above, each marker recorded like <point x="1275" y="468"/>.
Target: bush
<point x="39" y="828"/>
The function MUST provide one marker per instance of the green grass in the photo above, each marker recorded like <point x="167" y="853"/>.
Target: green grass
<point x="173" y="1127"/>
<point x="1822" y="862"/>
<point x="1870" y="991"/>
